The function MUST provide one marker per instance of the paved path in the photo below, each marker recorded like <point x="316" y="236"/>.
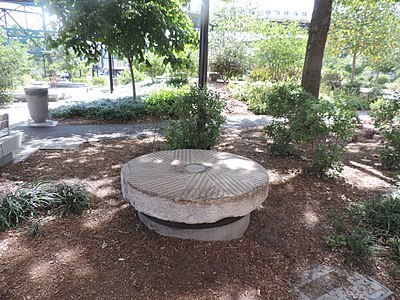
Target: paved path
<point x="67" y="137"/>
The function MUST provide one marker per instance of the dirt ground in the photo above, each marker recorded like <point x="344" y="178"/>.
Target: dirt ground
<point x="108" y="254"/>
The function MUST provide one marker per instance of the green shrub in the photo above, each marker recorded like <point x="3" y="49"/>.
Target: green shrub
<point x="386" y="115"/>
<point x="375" y="93"/>
<point x="333" y="79"/>
<point x="99" y="81"/>
<point x="353" y="88"/>
<point x="395" y="85"/>
<point x="124" y="109"/>
<point x="163" y="102"/>
<point x="303" y="121"/>
<point x="383" y="79"/>
<point x="125" y="76"/>
<point x="254" y="94"/>
<point x="37" y="197"/>
<point x="178" y="81"/>
<point x="199" y="112"/>
<point x="229" y="61"/>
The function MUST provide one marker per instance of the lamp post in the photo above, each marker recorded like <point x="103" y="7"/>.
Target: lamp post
<point x="203" y="57"/>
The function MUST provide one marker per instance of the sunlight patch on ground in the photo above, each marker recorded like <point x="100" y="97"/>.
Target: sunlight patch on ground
<point x="229" y="292"/>
<point x="310" y="218"/>
<point x="276" y="177"/>
<point x="365" y="177"/>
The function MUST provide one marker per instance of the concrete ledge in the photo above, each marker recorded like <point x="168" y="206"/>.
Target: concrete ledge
<point x="221" y="233"/>
<point x="8" y="145"/>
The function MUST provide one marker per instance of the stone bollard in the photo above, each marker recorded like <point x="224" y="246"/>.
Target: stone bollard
<point x="37" y="98"/>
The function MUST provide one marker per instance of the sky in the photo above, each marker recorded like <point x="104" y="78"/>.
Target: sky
<point x="291" y="5"/>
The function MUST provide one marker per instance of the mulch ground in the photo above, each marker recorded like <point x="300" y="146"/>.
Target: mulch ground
<point x="108" y="254"/>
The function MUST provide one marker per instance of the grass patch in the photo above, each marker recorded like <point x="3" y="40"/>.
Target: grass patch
<point x="40" y="197"/>
<point x="372" y="224"/>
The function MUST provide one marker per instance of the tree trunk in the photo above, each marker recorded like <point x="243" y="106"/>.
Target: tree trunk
<point x="318" y="32"/>
<point x="353" y="67"/>
<point x="378" y="72"/>
<point x="130" y="62"/>
<point x="110" y="72"/>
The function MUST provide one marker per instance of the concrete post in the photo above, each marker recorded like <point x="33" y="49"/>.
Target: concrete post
<point x="38" y="103"/>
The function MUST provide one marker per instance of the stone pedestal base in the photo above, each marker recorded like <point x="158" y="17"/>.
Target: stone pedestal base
<point x="224" y="232"/>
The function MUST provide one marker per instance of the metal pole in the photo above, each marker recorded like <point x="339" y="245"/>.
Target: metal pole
<point x="203" y="57"/>
<point x="110" y="72"/>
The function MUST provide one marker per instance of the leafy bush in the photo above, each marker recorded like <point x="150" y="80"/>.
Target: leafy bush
<point x="303" y="121"/>
<point x="374" y="94"/>
<point x="333" y="79"/>
<point x="123" y="108"/>
<point x="154" y="66"/>
<point x="125" y="76"/>
<point x="254" y="94"/>
<point x="37" y="197"/>
<point x="14" y="64"/>
<point x="386" y="115"/>
<point x="229" y="61"/>
<point x="356" y="102"/>
<point x="395" y="85"/>
<point x="199" y="112"/>
<point x="99" y="81"/>
<point x="353" y="88"/>
<point x="163" y="102"/>
<point x="281" y="55"/>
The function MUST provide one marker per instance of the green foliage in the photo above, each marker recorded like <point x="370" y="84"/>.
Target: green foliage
<point x="71" y="199"/>
<point x="34" y="229"/>
<point x="395" y="85"/>
<point x="154" y="66"/>
<point x="124" y="109"/>
<point x="365" y="29"/>
<point x="125" y="28"/>
<point x="355" y="102"/>
<point x="163" y="103"/>
<point x="99" y="81"/>
<point x="303" y="121"/>
<point x="281" y="53"/>
<point x="254" y="94"/>
<point x="353" y="88"/>
<point x="230" y="61"/>
<point x="13" y="66"/>
<point x="125" y="76"/>
<point x="386" y="115"/>
<point x="359" y="242"/>
<point x="371" y="223"/>
<point x="333" y="79"/>
<point x="38" y="197"/>
<point x="185" y="67"/>
<point x="199" y="112"/>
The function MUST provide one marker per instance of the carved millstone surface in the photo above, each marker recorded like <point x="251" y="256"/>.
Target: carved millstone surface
<point x="194" y="186"/>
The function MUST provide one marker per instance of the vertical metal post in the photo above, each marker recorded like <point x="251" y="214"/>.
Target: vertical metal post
<point x="203" y="57"/>
<point x="110" y="72"/>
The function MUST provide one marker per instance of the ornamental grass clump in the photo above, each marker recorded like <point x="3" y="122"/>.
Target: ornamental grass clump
<point x="38" y="198"/>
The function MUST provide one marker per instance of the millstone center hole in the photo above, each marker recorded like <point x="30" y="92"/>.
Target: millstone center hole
<point x="195" y="168"/>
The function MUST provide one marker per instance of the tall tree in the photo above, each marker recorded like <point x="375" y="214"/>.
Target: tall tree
<point x="13" y="65"/>
<point x="318" y="32"/>
<point x="365" y="29"/>
<point x="126" y="28"/>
